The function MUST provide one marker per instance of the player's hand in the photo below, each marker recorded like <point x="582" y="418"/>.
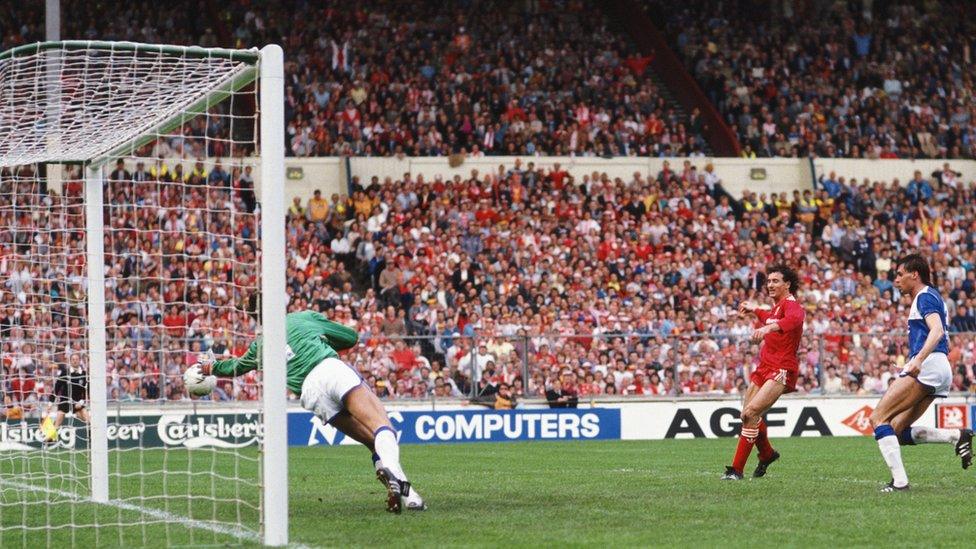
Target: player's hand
<point x="912" y="368"/>
<point x="193" y="375"/>
<point x="759" y="333"/>
<point x="747" y="307"/>
<point x="206" y="361"/>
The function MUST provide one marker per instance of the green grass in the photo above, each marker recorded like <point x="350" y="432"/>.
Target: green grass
<point x="823" y="492"/>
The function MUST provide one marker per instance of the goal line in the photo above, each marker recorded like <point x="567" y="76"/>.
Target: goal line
<point x="239" y="532"/>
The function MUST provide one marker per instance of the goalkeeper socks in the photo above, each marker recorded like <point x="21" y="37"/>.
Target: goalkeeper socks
<point x="388" y="449"/>
<point x="891" y="452"/>
<point x="762" y="442"/>
<point x="922" y="435"/>
<point x="746" y="441"/>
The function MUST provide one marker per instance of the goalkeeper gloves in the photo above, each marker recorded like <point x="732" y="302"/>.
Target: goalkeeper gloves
<point x="193" y="375"/>
<point x="206" y="359"/>
<point x="205" y="362"/>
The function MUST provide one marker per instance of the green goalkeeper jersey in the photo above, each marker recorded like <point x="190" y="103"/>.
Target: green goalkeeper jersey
<point x="312" y="338"/>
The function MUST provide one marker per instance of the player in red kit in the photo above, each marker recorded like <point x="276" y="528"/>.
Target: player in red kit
<point x="779" y="330"/>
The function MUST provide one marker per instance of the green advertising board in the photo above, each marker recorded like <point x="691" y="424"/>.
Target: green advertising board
<point x="166" y="430"/>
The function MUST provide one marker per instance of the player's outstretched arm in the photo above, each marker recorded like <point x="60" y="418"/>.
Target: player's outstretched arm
<point x="232" y="366"/>
<point x="751" y="307"/>
<point x="340" y="337"/>
<point x="747" y="307"/>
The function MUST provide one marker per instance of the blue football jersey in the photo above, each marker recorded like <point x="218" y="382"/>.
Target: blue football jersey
<point x="927" y="301"/>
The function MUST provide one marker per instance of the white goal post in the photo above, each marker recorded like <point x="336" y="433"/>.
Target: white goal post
<point x="74" y="110"/>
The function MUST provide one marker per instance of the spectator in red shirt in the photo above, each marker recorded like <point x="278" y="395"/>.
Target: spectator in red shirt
<point x="403" y="357"/>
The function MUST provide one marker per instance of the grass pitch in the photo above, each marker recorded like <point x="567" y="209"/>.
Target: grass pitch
<point x="823" y="492"/>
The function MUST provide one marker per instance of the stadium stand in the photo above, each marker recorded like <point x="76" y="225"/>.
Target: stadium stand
<point x="428" y="85"/>
<point x="612" y="285"/>
<point x="874" y="87"/>
<point x="885" y="80"/>
<point x="525" y="275"/>
<point x="425" y="79"/>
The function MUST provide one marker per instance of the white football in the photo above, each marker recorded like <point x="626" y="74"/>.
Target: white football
<point x="202" y="388"/>
<point x="198" y="384"/>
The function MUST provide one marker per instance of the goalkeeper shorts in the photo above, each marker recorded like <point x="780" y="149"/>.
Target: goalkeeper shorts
<point x="326" y="386"/>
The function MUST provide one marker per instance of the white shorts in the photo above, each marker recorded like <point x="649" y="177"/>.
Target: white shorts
<point x="326" y="386"/>
<point x="936" y="373"/>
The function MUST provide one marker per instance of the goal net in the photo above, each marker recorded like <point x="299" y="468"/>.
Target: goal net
<point x="141" y="221"/>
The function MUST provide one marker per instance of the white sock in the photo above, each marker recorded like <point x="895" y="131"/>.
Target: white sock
<point x="388" y="449"/>
<point x="891" y="452"/>
<point x="922" y="435"/>
<point x="377" y="462"/>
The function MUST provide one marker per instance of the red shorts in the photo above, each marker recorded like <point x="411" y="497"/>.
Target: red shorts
<point x="783" y="376"/>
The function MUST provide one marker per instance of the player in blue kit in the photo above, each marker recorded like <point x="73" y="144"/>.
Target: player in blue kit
<point x="925" y="377"/>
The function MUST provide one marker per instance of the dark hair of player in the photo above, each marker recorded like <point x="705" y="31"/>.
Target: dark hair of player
<point x="789" y="276"/>
<point x="915" y="263"/>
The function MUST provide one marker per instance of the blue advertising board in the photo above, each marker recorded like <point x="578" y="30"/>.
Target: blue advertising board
<point x="412" y="427"/>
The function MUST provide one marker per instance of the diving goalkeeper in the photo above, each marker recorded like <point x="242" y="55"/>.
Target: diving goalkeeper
<point x="332" y="390"/>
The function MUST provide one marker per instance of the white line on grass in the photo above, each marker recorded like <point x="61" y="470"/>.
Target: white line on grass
<point x="240" y="533"/>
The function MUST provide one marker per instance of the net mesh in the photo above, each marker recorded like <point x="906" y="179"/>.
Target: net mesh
<point x="90" y="101"/>
<point x="182" y="265"/>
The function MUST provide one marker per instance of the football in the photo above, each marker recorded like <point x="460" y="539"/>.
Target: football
<point x="198" y="384"/>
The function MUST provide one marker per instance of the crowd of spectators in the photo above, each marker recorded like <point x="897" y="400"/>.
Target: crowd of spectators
<point x="181" y="274"/>
<point x="382" y="78"/>
<point x="178" y="22"/>
<point x="629" y="287"/>
<point x="524" y="281"/>
<point x="477" y="78"/>
<point x="517" y="278"/>
<point x="834" y="79"/>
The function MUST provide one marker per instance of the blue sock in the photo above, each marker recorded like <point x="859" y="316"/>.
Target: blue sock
<point x="882" y="431"/>
<point x="905" y="438"/>
<point x="376" y="457"/>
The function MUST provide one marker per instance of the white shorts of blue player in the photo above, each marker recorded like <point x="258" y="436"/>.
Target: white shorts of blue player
<point x="935" y="374"/>
<point x="337" y="395"/>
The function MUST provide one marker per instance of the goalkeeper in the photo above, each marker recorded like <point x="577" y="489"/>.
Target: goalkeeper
<point x="330" y="389"/>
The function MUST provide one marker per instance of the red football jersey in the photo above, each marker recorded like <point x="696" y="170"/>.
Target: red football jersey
<point x="779" y="349"/>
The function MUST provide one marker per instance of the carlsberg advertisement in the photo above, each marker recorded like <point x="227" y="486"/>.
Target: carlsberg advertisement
<point x="147" y="431"/>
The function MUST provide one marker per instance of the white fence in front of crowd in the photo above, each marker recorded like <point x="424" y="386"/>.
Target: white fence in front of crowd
<point x="764" y="175"/>
<point x="887" y="171"/>
<point x="770" y="175"/>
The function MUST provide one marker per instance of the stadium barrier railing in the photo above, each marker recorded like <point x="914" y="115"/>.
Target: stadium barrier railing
<point x="674" y="366"/>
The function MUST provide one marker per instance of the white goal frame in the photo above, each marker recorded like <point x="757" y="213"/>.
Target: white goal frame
<point x="269" y="74"/>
